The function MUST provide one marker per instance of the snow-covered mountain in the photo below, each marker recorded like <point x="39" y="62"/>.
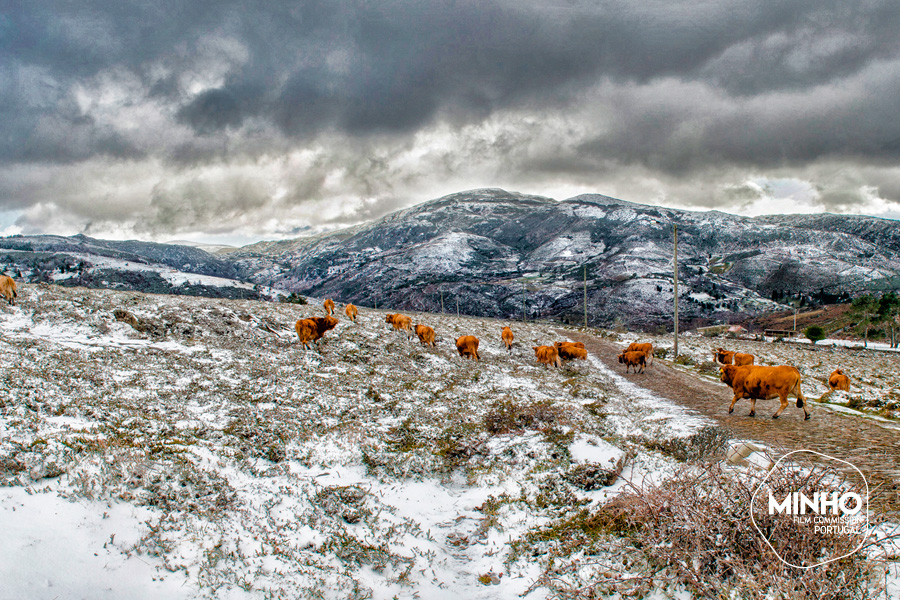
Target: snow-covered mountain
<point x="132" y="265"/>
<point x="486" y="247"/>
<point x="498" y="253"/>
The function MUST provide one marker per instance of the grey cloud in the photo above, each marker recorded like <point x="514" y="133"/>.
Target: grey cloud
<point x="396" y="66"/>
<point x="672" y="92"/>
<point x="211" y="111"/>
<point x="197" y="204"/>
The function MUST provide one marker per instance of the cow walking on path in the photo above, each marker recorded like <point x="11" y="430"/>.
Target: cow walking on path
<point x="764" y="383"/>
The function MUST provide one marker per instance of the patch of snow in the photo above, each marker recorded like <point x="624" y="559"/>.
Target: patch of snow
<point x="592" y="449"/>
<point x="78" y="550"/>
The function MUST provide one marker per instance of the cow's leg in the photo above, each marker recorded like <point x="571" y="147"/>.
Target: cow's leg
<point x="733" y="401"/>
<point x="801" y="403"/>
<point x="752" y="407"/>
<point x="783" y="406"/>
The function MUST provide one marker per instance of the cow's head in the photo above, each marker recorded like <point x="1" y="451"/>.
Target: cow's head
<point x="726" y="373"/>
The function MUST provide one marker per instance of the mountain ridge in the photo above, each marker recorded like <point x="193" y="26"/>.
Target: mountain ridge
<point x="488" y="247"/>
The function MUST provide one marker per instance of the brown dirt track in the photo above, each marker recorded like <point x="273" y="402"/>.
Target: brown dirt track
<point x="873" y="449"/>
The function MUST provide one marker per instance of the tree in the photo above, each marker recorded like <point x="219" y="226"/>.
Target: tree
<point x="867" y="307"/>
<point x="814" y="333"/>
<point x="888" y="312"/>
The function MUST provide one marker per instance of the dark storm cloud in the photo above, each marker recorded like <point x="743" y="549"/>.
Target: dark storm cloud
<point x="564" y="90"/>
<point x="395" y="66"/>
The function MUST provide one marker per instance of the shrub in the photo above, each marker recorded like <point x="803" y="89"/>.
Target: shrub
<point x="293" y="298"/>
<point x="684" y="359"/>
<point x="814" y="333"/>
<point x="693" y="530"/>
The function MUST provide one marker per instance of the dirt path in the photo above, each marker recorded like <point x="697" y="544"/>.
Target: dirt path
<point x="875" y="450"/>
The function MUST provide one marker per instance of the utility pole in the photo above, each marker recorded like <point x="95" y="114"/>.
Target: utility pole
<point x="585" y="296"/>
<point x="675" y="264"/>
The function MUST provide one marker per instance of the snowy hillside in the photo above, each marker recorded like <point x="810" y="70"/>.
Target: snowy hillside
<point x="503" y="253"/>
<point x="217" y="458"/>
<point x="163" y="446"/>
<point x="487" y="247"/>
<point x="140" y="266"/>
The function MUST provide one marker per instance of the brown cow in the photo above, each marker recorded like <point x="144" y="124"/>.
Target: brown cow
<point x="730" y="357"/>
<point x="839" y="381"/>
<point x="633" y="358"/>
<point x="763" y="383"/>
<point x="8" y="289"/>
<point x="401" y="323"/>
<point x="329" y="306"/>
<point x="467" y="345"/>
<point x="311" y="330"/>
<point x="576" y="344"/>
<point x="351" y="312"/>
<point x="646" y="348"/>
<point x="547" y="355"/>
<point x="507" y="336"/>
<point x="426" y="334"/>
<point x="571" y="350"/>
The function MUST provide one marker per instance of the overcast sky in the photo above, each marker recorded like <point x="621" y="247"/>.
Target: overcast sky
<point x="238" y="121"/>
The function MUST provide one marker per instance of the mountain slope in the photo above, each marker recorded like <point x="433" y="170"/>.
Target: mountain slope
<point x="133" y="265"/>
<point x="486" y="247"/>
<point x="500" y="254"/>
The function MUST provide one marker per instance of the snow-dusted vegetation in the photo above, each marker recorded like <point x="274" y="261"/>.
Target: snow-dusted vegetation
<point x="186" y="447"/>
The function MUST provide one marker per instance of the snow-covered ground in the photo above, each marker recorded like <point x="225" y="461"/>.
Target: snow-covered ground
<point x="213" y="457"/>
<point x="222" y="460"/>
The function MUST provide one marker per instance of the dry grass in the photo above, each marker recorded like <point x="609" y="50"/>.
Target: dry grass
<point x="694" y="530"/>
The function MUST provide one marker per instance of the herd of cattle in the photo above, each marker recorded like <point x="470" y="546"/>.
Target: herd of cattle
<point x="736" y="369"/>
<point x="754" y="382"/>
<point x="312" y="329"/>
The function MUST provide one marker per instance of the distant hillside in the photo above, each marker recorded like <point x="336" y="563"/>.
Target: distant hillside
<point x="485" y="248"/>
<point x="132" y="265"/>
<point x="832" y="317"/>
<point x="500" y="254"/>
